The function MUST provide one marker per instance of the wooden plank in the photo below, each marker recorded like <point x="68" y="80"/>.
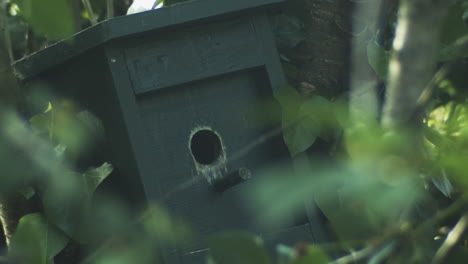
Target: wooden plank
<point x="193" y="53"/>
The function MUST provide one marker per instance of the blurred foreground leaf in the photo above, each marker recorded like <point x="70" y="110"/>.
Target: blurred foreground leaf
<point x="67" y="201"/>
<point x="234" y="247"/>
<point x="164" y="227"/>
<point x="52" y="18"/>
<point x="360" y="199"/>
<point x="303" y="254"/>
<point x="65" y="124"/>
<point x="36" y="241"/>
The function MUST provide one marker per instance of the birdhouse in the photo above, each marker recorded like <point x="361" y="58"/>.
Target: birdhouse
<point x="178" y="90"/>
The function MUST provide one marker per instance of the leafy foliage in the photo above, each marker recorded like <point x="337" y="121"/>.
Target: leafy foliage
<point x="39" y="238"/>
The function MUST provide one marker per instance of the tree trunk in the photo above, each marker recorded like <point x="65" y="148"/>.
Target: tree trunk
<point x="322" y="59"/>
<point x="413" y="60"/>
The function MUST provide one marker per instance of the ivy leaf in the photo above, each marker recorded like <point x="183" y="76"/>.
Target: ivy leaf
<point x="320" y="110"/>
<point x="298" y="136"/>
<point x="303" y="120"/>
<point x="53" y="18"/>
<point x="234" y="247"/>
<point x="314" y="119"/>
<point x="378" y="59"/>
<point x="36" y="241"/>
<point x="94" y="176"/>
<point x="289" y="100"/>
<point x="301" y="135"/>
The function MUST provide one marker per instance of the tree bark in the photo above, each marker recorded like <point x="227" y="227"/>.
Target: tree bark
<point x="322" y="59"/>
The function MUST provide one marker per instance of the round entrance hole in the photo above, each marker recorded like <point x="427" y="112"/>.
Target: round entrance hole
<point x="205" y="146"/>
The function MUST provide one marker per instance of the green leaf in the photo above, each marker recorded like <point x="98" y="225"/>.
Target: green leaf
<point x="234" y="247"/>
<point x="53" y="18"/>
<point x="313" y="119"/>
<point x="289" y="100"/>
<point x="41" y="123"/>
<point x="301" y="135"/>
<point x="321" y="111"/>
<point x="378" y="58"/>
<point x="67" y="206"/>
<point x="36" y="241"/>
<point x="94" y="176"/>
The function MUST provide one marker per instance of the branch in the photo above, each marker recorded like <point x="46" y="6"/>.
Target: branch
<point x="452" y="238"/>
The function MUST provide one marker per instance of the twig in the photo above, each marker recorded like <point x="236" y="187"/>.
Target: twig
<point x="89" y="9"/>
<point x="452" y="238"/>
<point x="355" y="256"/>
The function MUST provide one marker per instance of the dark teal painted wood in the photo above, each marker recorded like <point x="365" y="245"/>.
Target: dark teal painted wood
<point x="153" y="21"/>
<point x="153" y="78"/>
